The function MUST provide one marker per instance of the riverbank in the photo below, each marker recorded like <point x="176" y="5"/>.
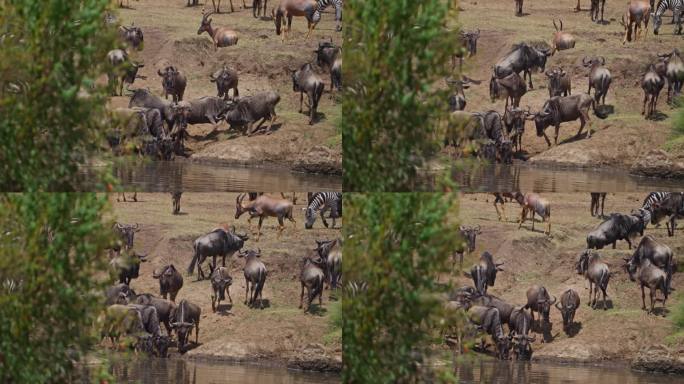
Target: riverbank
<point x="281" y="334"/>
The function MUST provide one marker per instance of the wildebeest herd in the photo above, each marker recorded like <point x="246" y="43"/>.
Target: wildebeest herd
<point x="651" y="265"/>
<point x="140" y="316"/>
<point x="161" y="125"/>
<point x="494" y="135"/>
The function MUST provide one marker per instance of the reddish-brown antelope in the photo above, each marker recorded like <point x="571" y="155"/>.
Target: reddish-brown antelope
<point x="264" y="206"/>
<point x="638" y="11"/>
<point x="561" y="40"/>
<point x="221" y="36"/>
<point x="289" y="8"/>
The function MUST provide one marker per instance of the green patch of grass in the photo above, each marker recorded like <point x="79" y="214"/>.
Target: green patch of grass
<point x="678" y="314"/>
<point x="674" y="339"/>
<point x="334" y="141"/>
<point x="334" y="336"/>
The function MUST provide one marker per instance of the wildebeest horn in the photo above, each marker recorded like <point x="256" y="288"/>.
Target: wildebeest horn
<point x="584" y="61"/>
<point x="477" y="228"/>
<point x="478" y="32"/>
<point x="554" y="299"/>
<point x="136" y="227"/>
<point x="603" y="60"/>
<point x="118" y="225"/>
<point x="558" y="306"/>
<point x="531" y="339"/>
<point x="157" y="274"/>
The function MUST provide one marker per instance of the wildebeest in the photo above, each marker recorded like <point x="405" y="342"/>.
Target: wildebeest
<point x="164" y="308"/>
<point x="658" y="253"/>
<point x="311" y="276"/>
<point x="127" y="266"/>
<point x="535" y="204"/>
<point x="173" y="83"/>
<point x="289" y="8"/>
<point x="539" y="300"/>
<point x="304" y="80"/>
<point x="637" y="12"/>
<point x="259" y="6"/>
<point x="484" y="272"/>
<point x="559" y="82"/>
<point x="468" y="47"/>
<point x="170" y="281"/>
<point x="520" y="324"/>
<point x="522" y="57"/>
<point x="616" y="227"/>
<point x="457" y="100"/>
<point x="488" y="319"/>
<point x="126" y="235"/>
<point x="331" y="252"/>
<point x="557" y="110"/>
<point x="132" y="35"/>
<point x="594" y="11"/>
<point x="514" y="122"/>
<point x="115" y="293"/>
<point x="652" y="83"/>
<point x="518" y="7"/>
<point x="119" y="320"/>
<point x="594" y="208"/>
<point x="512" y="87"/>
<point x="207" y="109"/>
<point x="176" y="197"/>
<point x="327" y="55"/>
<point x="561" y="40"/>
<point x="648" y="275"/>
<point x="598" y="274"/>
<point x="123" y="70"/>
<point x="491" y="126"/>
<point x="184" y="318"/>
<point x="248" y="110"/>
<point x="599" y="78"/>
<point x="220" y="36"/>
<point x="220" y="283"/>
<point x="569" y="302"/>
<point x="265" y="206"/>
<point x="505" y="309"/>
<point x="674" y="72"/>
<point x="672" y="205"/>
<point x="218" y="242"/>
<point x="146" y="99"/>
<point x="469" y="235"/>
<point x="255" y="277"/>
<point x="225" y="79"/>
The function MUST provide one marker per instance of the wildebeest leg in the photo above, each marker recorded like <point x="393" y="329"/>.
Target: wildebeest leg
<point x="629" y="243"/>
<point x="301" y="101"/>
<point x="548" y="142"/>
<point x="230" y="299"/>
<point x="289" y="24"/>
<point x="301" y="297"/>
<point x="591" y="298"/>
<point x="651" y="292"/>
<point x="246" y="290"/>
<point x="197" y="333"/>
<point x="532" y="219"/>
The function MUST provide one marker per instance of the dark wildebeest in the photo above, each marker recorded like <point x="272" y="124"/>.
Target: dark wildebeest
<point x="569" y="303"/>
<point x="559" y="82"/>
<point x="305" y="80"/>
<point x="164" y="308"/>
<point x="522" y="57"/>
<point x="173" y="83"/>
<point x="616" y="227"/>
<point x="512" y="87"/>
<point x="468" y="48"/>
<point x="176" y="198"/>
<point x="488" y="320"/>
<point x="265" y="206"/>
<point x="248" y="110"/>
<point x="518" y="7"/>
<point x="535" y="204"/>
<point x="219" y="242"/>
<point x="132" y="35"/>
<point x="225" y="79"/>
<point x="127" y="266"/>
<point x="539" y="300"/>
<point x="468" y="234"/>
<point x="126" y="235"/>
<point x="311" y="276"/>
<point x="220" y="36"/>
<point x="637" y="12"/>
<point x="598" y="274"/>
<point x="561" y="40"/>
<point x="492" y="126"/>
<point x="594" y="11"/>
<point x="599" y="78"/>
<point x="259" y="6"/>
<point x="207" y="109"/>
<point x="520" y="324"/>
<point x="123" y="71"/>
<point x="514" y="121"/>
<point x="255" y="275"/>
<point x="117" y="320"/>
<point x="170" y="281"/>
<point x="475" y="298"/>
<point x="658" y="253"/>
<point x="557" y="110"/>
<point x="595" y="197"/>
<point x="327" y="55"/>
<point x="331" y="252"/>
<point x="674" y="72"/>
<point x="220" y="283"/>
<point x="484" y="273"/>
<point x="184" y="318"/>
<point x="146" y="99"/>
<point x="117" y="292"/>
<point x="672" y="205"/>
<point x="457" y="99"/>
<point x="648" y="275"/>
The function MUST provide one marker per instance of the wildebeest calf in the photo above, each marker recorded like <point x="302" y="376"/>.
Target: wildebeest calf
<point x="311" y="277"/>
<point x="569" y="302"/>
<point x="184" y="318"/>
<point x="598" y="274"/>
<point x="304" y="80"/>
<point x="220" y="283"/>
<point x="170" y="281"/>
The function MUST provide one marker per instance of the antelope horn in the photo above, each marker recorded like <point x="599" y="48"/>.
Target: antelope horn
<point x="554" y="24"/>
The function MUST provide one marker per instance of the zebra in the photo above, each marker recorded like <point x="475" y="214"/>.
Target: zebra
<point x="354" y="288"/>
<point x="677" y="7"/>
<point x="653" y="197"/>
<point x="322" y="5"/>
<point x="324" y="201"/>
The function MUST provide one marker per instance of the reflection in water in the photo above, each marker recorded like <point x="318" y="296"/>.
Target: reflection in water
<point x="545" y="373"/>
<point x="523" y="177"/>
<point x="165" y="176"/>
<point x="179" y="371"/>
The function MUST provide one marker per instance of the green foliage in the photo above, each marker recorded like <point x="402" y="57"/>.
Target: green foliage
<point x="678" y="316"/>
<point x="51" y="108"/>
<point x="398" y="243"/>
<point x="395" y="52"/>
<point x="51" y="248"/>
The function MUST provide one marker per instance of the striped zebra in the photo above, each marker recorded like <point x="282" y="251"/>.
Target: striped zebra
<point x="677" y="7"/>
<point x="654" y="197"/>
<point x="322" y="5"/>
<point x="323" y="202"/>
<point x="354" y="288"/>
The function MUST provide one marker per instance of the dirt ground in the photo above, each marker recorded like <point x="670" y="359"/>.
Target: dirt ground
<point x="531" y="257"/>
<point x="263" y="62"/>
<point x="281" y="333"/>
<point x="617" y="141"/>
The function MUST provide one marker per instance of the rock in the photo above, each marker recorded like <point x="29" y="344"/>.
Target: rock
<point x="658" y="358"/>
<point x="658" y="163"/>
<point x="319" y="159"/>
<point x="315" y="358"/>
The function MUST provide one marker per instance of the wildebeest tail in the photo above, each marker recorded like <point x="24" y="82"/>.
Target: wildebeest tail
<point x="191" y="268"/>
<point x="317" y="289"/>
<point x="318" y="93"/>
<point x="603" y="280"/>
<point x="260" y="285"/>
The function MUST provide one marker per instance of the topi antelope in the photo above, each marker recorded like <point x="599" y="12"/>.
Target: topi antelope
<point x="264" y="206"/>
<point x="220" y="36"/>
